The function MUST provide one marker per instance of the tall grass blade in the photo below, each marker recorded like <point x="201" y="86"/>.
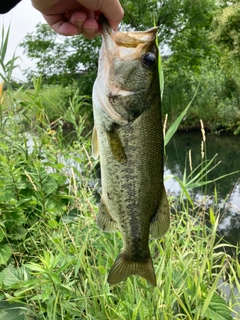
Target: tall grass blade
<point x="174" y="126"/>
<point x="160" y="65"/>
<point x="184" y="190"/>
<point x="9" y="66"/>
<point x="4" y="45"/>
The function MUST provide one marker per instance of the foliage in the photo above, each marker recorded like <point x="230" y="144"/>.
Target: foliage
<point x="58" y="105"/>
<point x="226" y="35"/>
<point x="7" y="67"/>
<point x="34" y="174"/>
<point x="175" y="125"/>
<point x="213" y="68"/>
<point x="62" y="60"/>
<point x="225" y="32"/>
<point x="172" y="17"/>
<point x="30" y="192"/>
<point x="55" y="260"/>
<point x="216" y="102"/>
<point x="200" y="40"/>
<point x="60" y="259"/>
<point x="66" y="277"/>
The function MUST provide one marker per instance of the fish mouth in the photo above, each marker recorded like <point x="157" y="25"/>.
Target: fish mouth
<point x="126" y="45"/>
<point x="123" y="47"/>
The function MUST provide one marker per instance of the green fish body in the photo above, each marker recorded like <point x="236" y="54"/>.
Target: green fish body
<point x="128" y="137"/>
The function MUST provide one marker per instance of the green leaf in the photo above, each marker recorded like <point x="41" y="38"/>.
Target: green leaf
<point x="2" y="236"/>
<point x="10" y="277"/>
<point x="50" y="185"/>
<point x="218" y="309"/>
<point x="35" y="267"/>
<point x="160" y="67"/>
<point x="4" y="43"/>
<point x="184" y="189"/>
<point x="212" y="216"/>
<point x="5" y="253"/>
<point x="53" y="224"/>
<point x="13" y="314"/>
<point x="174" y="126"/>
<point x="14" y="277"/>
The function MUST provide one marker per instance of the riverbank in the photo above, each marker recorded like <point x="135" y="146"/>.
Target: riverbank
<point x="56" y="101"/>
<point x="55" y="260"/>
<point x="184" y="154"/>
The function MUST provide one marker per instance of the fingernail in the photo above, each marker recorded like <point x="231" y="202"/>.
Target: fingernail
<point x="90" y="30"/>
<point x="80" y="22"/>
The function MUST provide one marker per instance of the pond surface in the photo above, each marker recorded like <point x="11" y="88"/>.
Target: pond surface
<point x="227" y="149"/>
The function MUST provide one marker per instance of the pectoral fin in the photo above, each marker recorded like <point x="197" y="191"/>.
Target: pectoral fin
<point x="116" y="146"/>
<point x="95" y="147"/>
<point x="161" y="220"/>
<point x="104" y="219"/>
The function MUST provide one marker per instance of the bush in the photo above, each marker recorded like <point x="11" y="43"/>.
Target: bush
<point x="217" y="100"/>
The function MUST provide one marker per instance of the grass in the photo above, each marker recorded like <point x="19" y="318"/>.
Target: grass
<point x="65" y="278"/>
<point x="54" y="260"/>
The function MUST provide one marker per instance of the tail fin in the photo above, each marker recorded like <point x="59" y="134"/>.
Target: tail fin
<point x="123" y="268"/>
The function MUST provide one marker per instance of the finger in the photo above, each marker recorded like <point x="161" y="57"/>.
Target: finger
<point x="112" y="10"/>
<point x="86" y="23"/>
<point x="59" y="24"/>
<point x="78" y="19"/>
<point x="90" y="28"/>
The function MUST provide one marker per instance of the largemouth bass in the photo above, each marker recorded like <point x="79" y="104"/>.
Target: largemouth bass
<point x="128" y="137"/>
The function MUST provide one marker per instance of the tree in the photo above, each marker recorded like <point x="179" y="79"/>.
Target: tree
<point x="202" y="37"/>
<point x="62" y="60"/>
<point x="178" y="21"/>
<point x="226" y="35"/>
<point x="226" y="31"/>
<point x="182" y="24"/>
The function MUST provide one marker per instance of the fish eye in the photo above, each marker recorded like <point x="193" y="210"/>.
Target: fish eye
<point x="148" y="60"/>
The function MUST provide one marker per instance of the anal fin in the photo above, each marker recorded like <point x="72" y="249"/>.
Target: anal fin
<point x="161" y="220"/>
<point x="104" y="220"/>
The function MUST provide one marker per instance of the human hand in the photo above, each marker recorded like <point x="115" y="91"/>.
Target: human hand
<point x="72" y="17"/>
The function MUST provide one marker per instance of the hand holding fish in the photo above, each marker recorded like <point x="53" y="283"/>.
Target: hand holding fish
<point x="74" y="17"/>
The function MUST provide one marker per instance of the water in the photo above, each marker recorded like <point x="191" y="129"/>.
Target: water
<point x="227" y="149"/>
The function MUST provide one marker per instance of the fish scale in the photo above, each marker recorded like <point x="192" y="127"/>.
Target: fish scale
<point x="128" y="137"/>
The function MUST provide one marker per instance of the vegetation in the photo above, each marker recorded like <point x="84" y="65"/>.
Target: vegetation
<point x="200" y="42"/>
<point x="54" y="260"/>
